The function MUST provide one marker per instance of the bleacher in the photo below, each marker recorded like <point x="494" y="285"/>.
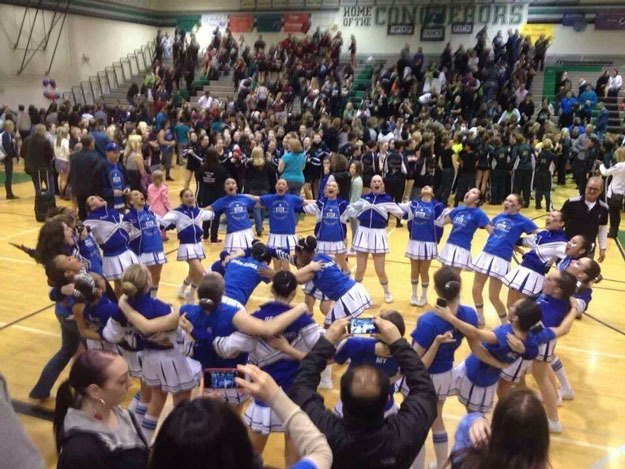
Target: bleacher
<point x="589" y="71"/>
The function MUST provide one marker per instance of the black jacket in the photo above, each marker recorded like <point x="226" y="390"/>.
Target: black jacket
<point x="85" y="173"/>
<point x="390" y="443"/>
<point x="38" y="154"/>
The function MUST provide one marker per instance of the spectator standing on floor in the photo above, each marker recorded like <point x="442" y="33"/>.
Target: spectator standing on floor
<point x="9" y="150"/>
<point x="616" y="190"/>
<point x="587" y="215"/>
<point x="85" y="168"/>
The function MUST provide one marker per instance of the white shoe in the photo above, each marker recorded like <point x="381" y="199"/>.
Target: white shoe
<point x="414" y="300"/>
<point x="181" y="293"/>
<point x="326" y="384"/>
<point x="555" y="427"/>
<point x="559" y="400"/>
<point x="567" y="395"/>
<point x="388" y="298"/>
<point x="422" y="301"/>
<point x="189" y="298"/>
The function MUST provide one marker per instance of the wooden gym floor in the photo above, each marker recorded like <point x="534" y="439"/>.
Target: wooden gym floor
<point x="593" y="353"/>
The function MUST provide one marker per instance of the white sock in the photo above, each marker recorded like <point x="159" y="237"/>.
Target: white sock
<point x="479" y="309"/>
<point x="132" y="407"/>
<point x="140" y="412"/>
<point x="385" y="288"/>
<point x="558" y="369"/>
<point x="153" y="292"/>
<point x="424" y="290"/>
<point x="419" y="462"/>
<point x="149" y="427"/>
<point x="415" y="285"/>
<point x="192" y="290"/>
<point x="441" y="447"/>
<point x="184" y="286"/>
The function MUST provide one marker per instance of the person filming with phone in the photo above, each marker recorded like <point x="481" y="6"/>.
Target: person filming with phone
<point x="363" y="438"/>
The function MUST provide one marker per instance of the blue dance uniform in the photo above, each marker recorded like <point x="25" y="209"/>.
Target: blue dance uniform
<point x="188" y="222"/>
<point x="329" y="228"/>
<point x="423" y="232"/>
<point x="109" y="231"/>
<point x="282" y="210"/>
<point x="494" y="260"/>
<point x="147" y="242"/>
<point x="464" y="223"/>
<point x="239" y="233"/>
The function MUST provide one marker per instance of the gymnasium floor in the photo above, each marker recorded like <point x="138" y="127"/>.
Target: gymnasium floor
<point x="593" y="353"/>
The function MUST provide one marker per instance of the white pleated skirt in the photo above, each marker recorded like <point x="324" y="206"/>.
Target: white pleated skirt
<point x="331" y="247"/>
<point x="421" y="250"/>
<point x="524" y="280"/>
<point x="475" y="398"/>
<point x="455" y="256"/>
<point x="351" y="304"/>
<point x="189" y="251"/>
<point x="338" y="409"/>
<point x="100" y="345"/>
<point x="113" y="266"/>
<point x="490" y="265"/>
<point x="281" y="241"/>
<point x="311" y="290"/>
<point x="516" y="370"/>
<point x="170" y="370"/>
<point x="153" y="258"/>
<point x="443" y="385"/>
<point x="546" y="352"/>
<point x="371" y="240"/>
<point x="262" y="419"/>
<point x="133" y="360"/>
<point x="239" y="240"/>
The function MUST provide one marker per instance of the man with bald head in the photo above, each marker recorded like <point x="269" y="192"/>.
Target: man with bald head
<point x="587" y="215"/>
<point x="363" y="438"/>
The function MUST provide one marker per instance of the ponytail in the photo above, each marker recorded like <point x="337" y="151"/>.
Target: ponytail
<point x="447" y="283"/>
<point x="135" y="280"/>
<point x="210" y="290"/>
<point x="308" y="244"/>
<point x="65" y="398"/>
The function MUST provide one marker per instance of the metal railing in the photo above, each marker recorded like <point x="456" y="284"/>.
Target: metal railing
<point x="112" y="77"/>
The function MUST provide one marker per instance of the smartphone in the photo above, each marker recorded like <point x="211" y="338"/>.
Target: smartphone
<point x="362" y="326"/>
<point x="221" y="378"/>
<point x="442" y="302"/>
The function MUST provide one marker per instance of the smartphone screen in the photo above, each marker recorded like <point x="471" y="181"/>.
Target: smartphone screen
<point x="442" y="302"/>
<point x="361" y="326"/>
<point x="220" y="378"/>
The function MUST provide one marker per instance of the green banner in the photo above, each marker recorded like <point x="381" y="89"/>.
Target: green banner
<point x="268" y="23"/>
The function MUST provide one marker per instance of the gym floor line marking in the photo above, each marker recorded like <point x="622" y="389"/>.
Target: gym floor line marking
<point x="19" y="234"/>
<point x="608" y="458"/>
<point x="29" y="315"/>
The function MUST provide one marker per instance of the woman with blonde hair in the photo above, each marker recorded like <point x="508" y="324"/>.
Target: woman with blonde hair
<point x="257" y="179"/>
<point x="164" y="368"/>
<point x="61" y="158"/>
<point x="135" y="167"/>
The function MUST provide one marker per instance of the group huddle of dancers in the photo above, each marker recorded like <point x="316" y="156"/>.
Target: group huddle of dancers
<point x="168" y="349"/>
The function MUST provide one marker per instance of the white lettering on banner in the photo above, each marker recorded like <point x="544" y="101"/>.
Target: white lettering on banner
<point x="357" y="16"/>
<point x="439" y="15"/>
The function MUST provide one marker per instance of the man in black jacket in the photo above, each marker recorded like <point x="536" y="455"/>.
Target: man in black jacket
<point x="363" y="438"/>
<point x="85" y="174"/>
<point x="38" y="157"/>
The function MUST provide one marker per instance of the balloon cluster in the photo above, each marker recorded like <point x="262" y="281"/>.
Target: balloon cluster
<point x="49" y="90"/>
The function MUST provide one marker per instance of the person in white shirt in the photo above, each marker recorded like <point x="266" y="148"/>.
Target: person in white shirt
<point x="614" y="83"/>
<point x="616" y="190"/>
<point x="205" y="101"/>
<point x="510" y="114"/>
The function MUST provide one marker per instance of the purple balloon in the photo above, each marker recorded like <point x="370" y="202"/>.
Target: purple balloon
<point x="46" y="82"/>
<point x="45" y="94"/>
<point x="53" y="83"/>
